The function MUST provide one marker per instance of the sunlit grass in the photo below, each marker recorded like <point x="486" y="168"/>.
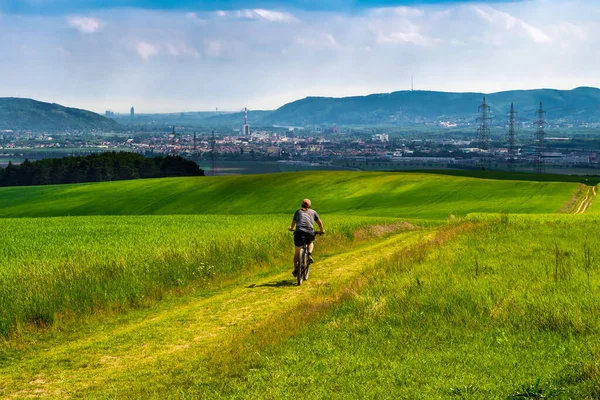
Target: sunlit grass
<point x="85" y="264"/>
<point x="507" y="309"/>
<point x="500" y="304"/>
<point x="401" y="195"/>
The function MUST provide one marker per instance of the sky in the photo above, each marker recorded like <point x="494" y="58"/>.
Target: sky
<point x="195" y="55"/>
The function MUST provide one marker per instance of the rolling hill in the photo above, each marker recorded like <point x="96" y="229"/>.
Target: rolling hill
<point x="382" y="194"/>
<point x="411" y="107"/>
<point x="28" y="114"/>
<point x="412" y="294"/>
<point x="580" y="105"/>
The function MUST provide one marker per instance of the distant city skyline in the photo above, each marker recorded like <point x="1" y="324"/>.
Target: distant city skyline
<point x="198" y="55"/>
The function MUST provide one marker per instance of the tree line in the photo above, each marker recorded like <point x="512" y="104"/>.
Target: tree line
<point x="108" y="166"/>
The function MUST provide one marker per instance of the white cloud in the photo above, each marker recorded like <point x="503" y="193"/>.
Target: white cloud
<point x="182" y="49"/>
<point x="406" y="37"/>
<point x="509" y="23"/>
<point x="323" y="40"/>
<point x="262" y="58"/>
<point x="396" y="29"/>
<point x="194" y="17"/>
<point x="398" y="11"/>
<point x="85" y="24"/>
<point x="274" y="16"/>
<point x="568" y="30"/>
<point x="146" y="50"/>
<point x="258" y="14"/>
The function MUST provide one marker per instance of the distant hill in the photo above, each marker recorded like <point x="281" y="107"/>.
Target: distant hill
<point x="254" y="117"/>
<point x="412" y="107"/>
<point x="581" y="105"/>
<point x="193" y="118"/>
<point x="25" y="114"/>
<point x="204" y="119"/>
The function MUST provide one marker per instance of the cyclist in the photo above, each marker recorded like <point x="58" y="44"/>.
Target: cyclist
<point x="303" y="222"/>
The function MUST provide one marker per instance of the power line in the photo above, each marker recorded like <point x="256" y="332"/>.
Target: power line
<point x="483" y="132"/>
<point x="540" y="137"/>
<point x="512" y="148"/>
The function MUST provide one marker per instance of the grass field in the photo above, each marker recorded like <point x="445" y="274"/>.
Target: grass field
<point x="408" y="195"/>
<point x="108" y="291"/>
<point x="508" y="309"/>
<point x="78" y="265"/>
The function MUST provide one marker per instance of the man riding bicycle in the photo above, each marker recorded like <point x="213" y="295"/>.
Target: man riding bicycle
<point x="305" y="231"/>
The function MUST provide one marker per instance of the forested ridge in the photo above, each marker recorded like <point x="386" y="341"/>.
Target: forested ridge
<point x="420" y="106"/>
<point x="25" y="114"/>
<point x="109" y="166"/>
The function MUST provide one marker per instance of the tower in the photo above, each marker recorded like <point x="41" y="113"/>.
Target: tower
<point x="483" y="132"/>
<point x="512" y="148"/>
<point x="195" y="143"/>
<point x="540" y="137"/>
<point x="132" y="112"/>
<point x="245" y="127"/>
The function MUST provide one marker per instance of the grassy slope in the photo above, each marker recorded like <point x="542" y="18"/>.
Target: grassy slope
<point x="483" y="316"/>
<point x="179" y="340"/>
<point x="171" y="351"/>
<point x="594" y="207"/>
<point x="420" y="196"/>
<point x="490" y="315"/>
<point x="49" y="266"/>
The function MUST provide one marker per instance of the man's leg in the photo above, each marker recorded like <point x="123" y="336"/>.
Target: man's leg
<point x="311" y="247"/>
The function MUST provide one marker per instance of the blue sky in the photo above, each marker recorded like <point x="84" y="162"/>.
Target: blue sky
<point x="67" y="6"/>
<point x="199" y="55"/>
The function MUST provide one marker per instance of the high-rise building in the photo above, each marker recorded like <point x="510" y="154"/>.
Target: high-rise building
<point x="132" y="112"/>
<point x="245" y="128"/>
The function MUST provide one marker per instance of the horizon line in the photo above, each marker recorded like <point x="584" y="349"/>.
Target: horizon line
<point x="241" y="109"/>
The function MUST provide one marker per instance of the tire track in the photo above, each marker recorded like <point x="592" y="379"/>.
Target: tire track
<point x="590" y="195"/>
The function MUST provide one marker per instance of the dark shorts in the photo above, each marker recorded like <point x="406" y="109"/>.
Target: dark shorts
<point x="301" y="237"/>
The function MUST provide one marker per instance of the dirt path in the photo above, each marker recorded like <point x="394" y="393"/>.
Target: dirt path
<point x="582" y="199"/>
<point x="590" y="196"/>
<point x="174" y="336"/>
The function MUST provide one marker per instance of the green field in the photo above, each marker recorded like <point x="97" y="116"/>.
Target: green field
<point x="409" y="195"/>
<point x="181" y="288"/>
<point x="506" y="309"/>
<point x="50" y="266"/>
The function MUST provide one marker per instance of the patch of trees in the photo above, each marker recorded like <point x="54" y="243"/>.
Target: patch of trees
<point x="109" y="166"/>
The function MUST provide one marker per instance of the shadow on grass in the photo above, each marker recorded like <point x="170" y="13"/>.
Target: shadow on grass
<point x="284" y="283"/>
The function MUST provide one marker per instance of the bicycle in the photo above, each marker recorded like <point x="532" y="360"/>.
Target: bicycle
<point x="303" y="269"/>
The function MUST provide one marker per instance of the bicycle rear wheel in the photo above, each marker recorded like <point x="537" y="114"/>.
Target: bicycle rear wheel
<point x="302" y="265"/>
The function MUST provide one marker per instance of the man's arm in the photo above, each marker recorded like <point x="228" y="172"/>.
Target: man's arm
<point x="320" y="223"/>
<point x="293" y="224"/>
